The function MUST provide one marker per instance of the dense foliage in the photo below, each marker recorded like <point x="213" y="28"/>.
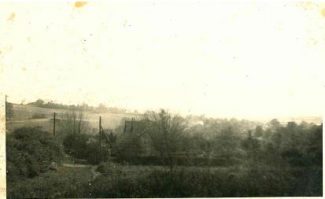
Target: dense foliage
<point x="202" y="182"/>
<point x="161" y="155"/>
<point x="65" y="183"/>
<point x="262" y="151"/>
<point x="228" y="142"/>
<point x="82" y="146"/>
<point x="30" y="151"/>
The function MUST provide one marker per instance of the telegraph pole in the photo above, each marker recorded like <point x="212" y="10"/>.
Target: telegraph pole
<point x="79" y="125"/>
<point x="74" y="122"/>
<point x="6" y="110"/>
<point x="124" y="127"/>
<point x="100" y="136"/>
<point x="54" y="114"/>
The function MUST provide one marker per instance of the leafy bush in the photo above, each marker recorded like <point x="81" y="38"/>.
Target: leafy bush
<point x="96" y="155"/>
<point x="202" y="182"/>
<point x="61" y="184"/>
<point x="76" y="145"/>
<point x="29" y="152"/>
<point x="86" y="147"/>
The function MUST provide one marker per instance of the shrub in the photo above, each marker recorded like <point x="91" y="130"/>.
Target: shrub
<point x="96" y="155"/>
<point x="76" y="145"/>
<point x="203" y="182"/>
<point x="29" y="152"/>
<point x="85" y="147"/>
<point x="50" y="185"/>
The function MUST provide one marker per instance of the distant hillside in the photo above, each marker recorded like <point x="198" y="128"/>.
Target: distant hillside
<point x="85" y="107"/>
<point x="28" y="115"/>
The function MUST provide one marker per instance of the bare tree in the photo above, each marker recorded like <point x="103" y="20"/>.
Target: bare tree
<point x="73" y="122"/>
<point x="166" y="132"/>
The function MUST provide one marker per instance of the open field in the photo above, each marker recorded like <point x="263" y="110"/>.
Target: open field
<point x="28" y="116"/>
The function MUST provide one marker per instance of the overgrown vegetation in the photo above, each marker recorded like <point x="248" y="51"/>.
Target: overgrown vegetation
<point x="130" y="181"/>
<point x="64" y="183"/>
<point x="163" y="155"/>
<point x="82" y="146"/>
<point x="30" y="151"/>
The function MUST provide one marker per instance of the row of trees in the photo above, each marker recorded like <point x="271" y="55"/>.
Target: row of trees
<point x="163" y="138"/>
<point x="270" y="160"/>
<point x="221" y="141"/>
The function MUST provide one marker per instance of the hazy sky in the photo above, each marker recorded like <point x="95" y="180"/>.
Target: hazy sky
<point x="219" y="58"/>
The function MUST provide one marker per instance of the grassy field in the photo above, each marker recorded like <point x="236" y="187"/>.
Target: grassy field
<point x="28" y="116"/>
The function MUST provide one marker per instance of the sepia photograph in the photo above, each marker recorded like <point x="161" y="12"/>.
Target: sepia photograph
<point x="161" y="98"/>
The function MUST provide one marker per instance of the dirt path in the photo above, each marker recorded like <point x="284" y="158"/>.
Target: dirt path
<point x="92" y="168"/>
<point x="76" y="165"/>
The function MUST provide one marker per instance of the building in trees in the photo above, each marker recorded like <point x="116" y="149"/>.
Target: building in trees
<point x="134" y="141"/>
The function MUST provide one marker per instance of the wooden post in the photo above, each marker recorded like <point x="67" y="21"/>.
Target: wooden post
<point x="74" y="122"/>
<point x="80" y="120"/>
<point x="54" y="114"/>
<point x="124" y="126"/>
<point x="79" y="125"/>
<point x="100" y="135"/>
<point x="6" y="107"/>
<point x="131" y="130"/>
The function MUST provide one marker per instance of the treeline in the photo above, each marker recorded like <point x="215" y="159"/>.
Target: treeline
<point x="170" y="140"/>
<point x="164" y="139"/>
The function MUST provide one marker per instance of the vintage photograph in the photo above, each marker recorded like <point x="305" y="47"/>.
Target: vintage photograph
<point x="162" y="99"/>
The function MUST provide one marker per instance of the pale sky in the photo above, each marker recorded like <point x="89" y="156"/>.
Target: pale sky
<point x="244" y="59"/>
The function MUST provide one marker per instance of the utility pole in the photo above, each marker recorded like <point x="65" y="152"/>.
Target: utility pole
<point x="6" y="110"/>
<point x="80" y="120"/>
<point x="79" y="125"/>
<point x="100" y="136"/>
<point x="132" y="121"/>
<point x="74" y="122"/>
<point x="124" y="127"/>
<point x="54" y="114"/>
